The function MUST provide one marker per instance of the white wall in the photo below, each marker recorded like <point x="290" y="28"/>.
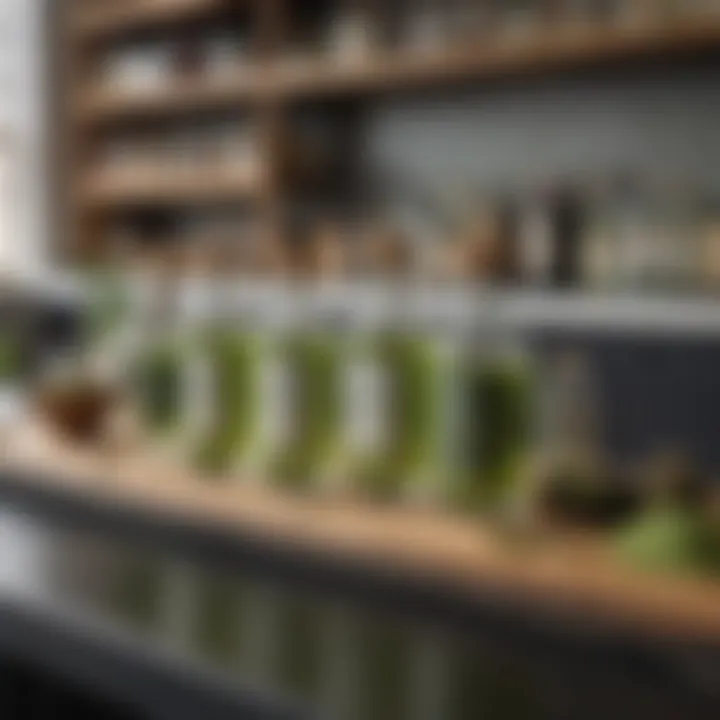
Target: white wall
<point x="22" y="118"/>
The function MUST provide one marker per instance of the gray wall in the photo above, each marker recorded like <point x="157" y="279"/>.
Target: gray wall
<point x="656" y="120"/>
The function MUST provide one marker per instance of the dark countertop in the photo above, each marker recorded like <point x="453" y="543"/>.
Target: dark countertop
<point x="149" y="606"/>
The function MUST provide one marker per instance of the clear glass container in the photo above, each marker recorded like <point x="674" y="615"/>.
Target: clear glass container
<point x="600" y="242"/>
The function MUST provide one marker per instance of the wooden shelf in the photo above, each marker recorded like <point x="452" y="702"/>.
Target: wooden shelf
<point x="394" y="72"/>
<point x="559" y="50"/>
<point x="561" y="576"/>
<point x="112" y="105"/>
<point x="205" y="187"/>
<point x="124" y="16"/>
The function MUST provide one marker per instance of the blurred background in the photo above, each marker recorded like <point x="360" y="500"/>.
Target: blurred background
<point x="358" y="359"/>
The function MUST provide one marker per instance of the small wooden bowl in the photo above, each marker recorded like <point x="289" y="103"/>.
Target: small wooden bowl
<point x="77" y="412"/>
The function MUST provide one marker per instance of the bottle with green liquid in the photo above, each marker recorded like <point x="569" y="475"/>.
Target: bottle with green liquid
<point x="225" y="373"/>
<point x="488" y="410"/>
<point x="161" y="361"/>
<point x="311" y="459"/>
<point x="250" y="387"/>
<point x="405" y="468"/>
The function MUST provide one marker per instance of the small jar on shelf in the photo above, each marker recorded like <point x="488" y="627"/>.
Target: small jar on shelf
<point x="188" y="58"/>
<point x="389" y="252"/>
<point x="709" y="247"/>
<point x="600" y="251"/>
<point x="226" y="54"/>
<point x="126" y="162"/>
<point x="426" y="27"/>
<point x="236" y="153"/>
<point x="521" y="20"/>
<point x="470" y="21"/>
<point x="137" y="68"/>
<point x="183" y="151"/>
<point x="632" y="220"/>
<point x="353" y="35"/>
<point x="536" y="241"/>
<point x="490" y="240"/>
<point x="328" y="252"/>
<point x="677" y="235"/>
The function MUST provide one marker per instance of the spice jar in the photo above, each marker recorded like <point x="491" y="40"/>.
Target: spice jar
<point x="426" y="28"/>
<point x="188" y="59"/>
<point x="491" y="244"/>
<point x="709" y="242"/>
<point x="599" y="254"/>
<point x="390" y="253"/>
<point x="536" y="247"/>
<point x="328" y="254"/>
<point x="520" y="19"/>
<point x="353" y="35"/>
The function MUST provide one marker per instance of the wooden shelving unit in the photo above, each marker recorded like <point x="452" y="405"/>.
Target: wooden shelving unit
<point x="271" y="84"/>
<point x="562" y="50"/>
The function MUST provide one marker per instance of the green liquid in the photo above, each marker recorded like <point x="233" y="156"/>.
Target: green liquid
<point x="316" y="367"/>
<point x="234" y="401"/>
<point x="495" y="431"/>
<point x="413" y="408"/>
<point x="160" y="385"/>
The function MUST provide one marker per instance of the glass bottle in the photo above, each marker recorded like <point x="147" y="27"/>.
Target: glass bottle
<point x="536" y="242"/>
<point x="353" y="34"/>
<point x="500" y="412"/>
<point x="426" y="28"/>
<point x="600" y="251"/>
<point x="159" y="369"/>
<point x="708" y="276"/>
<point x="520" y="19"/>
<point x="634" y="228"/>
<point x="312" y="456"/>
<point x="224" y="374"/>
<point x="410" y="357"/>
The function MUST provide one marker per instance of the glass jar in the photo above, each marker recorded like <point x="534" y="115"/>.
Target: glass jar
<point x="600" y="246"/>
<point x="353" y="35"/>
<point x="635" y="224"/>
<point x="159" y="375"/>
<point x="498" y="413"/>
<point x="426" y="27"/>
<point x="536" y="241"/>
<point x="312" y="457"/>
<point x="520" y="19"/>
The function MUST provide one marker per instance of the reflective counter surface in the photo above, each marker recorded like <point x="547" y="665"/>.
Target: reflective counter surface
<point x="336" y="653"/>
